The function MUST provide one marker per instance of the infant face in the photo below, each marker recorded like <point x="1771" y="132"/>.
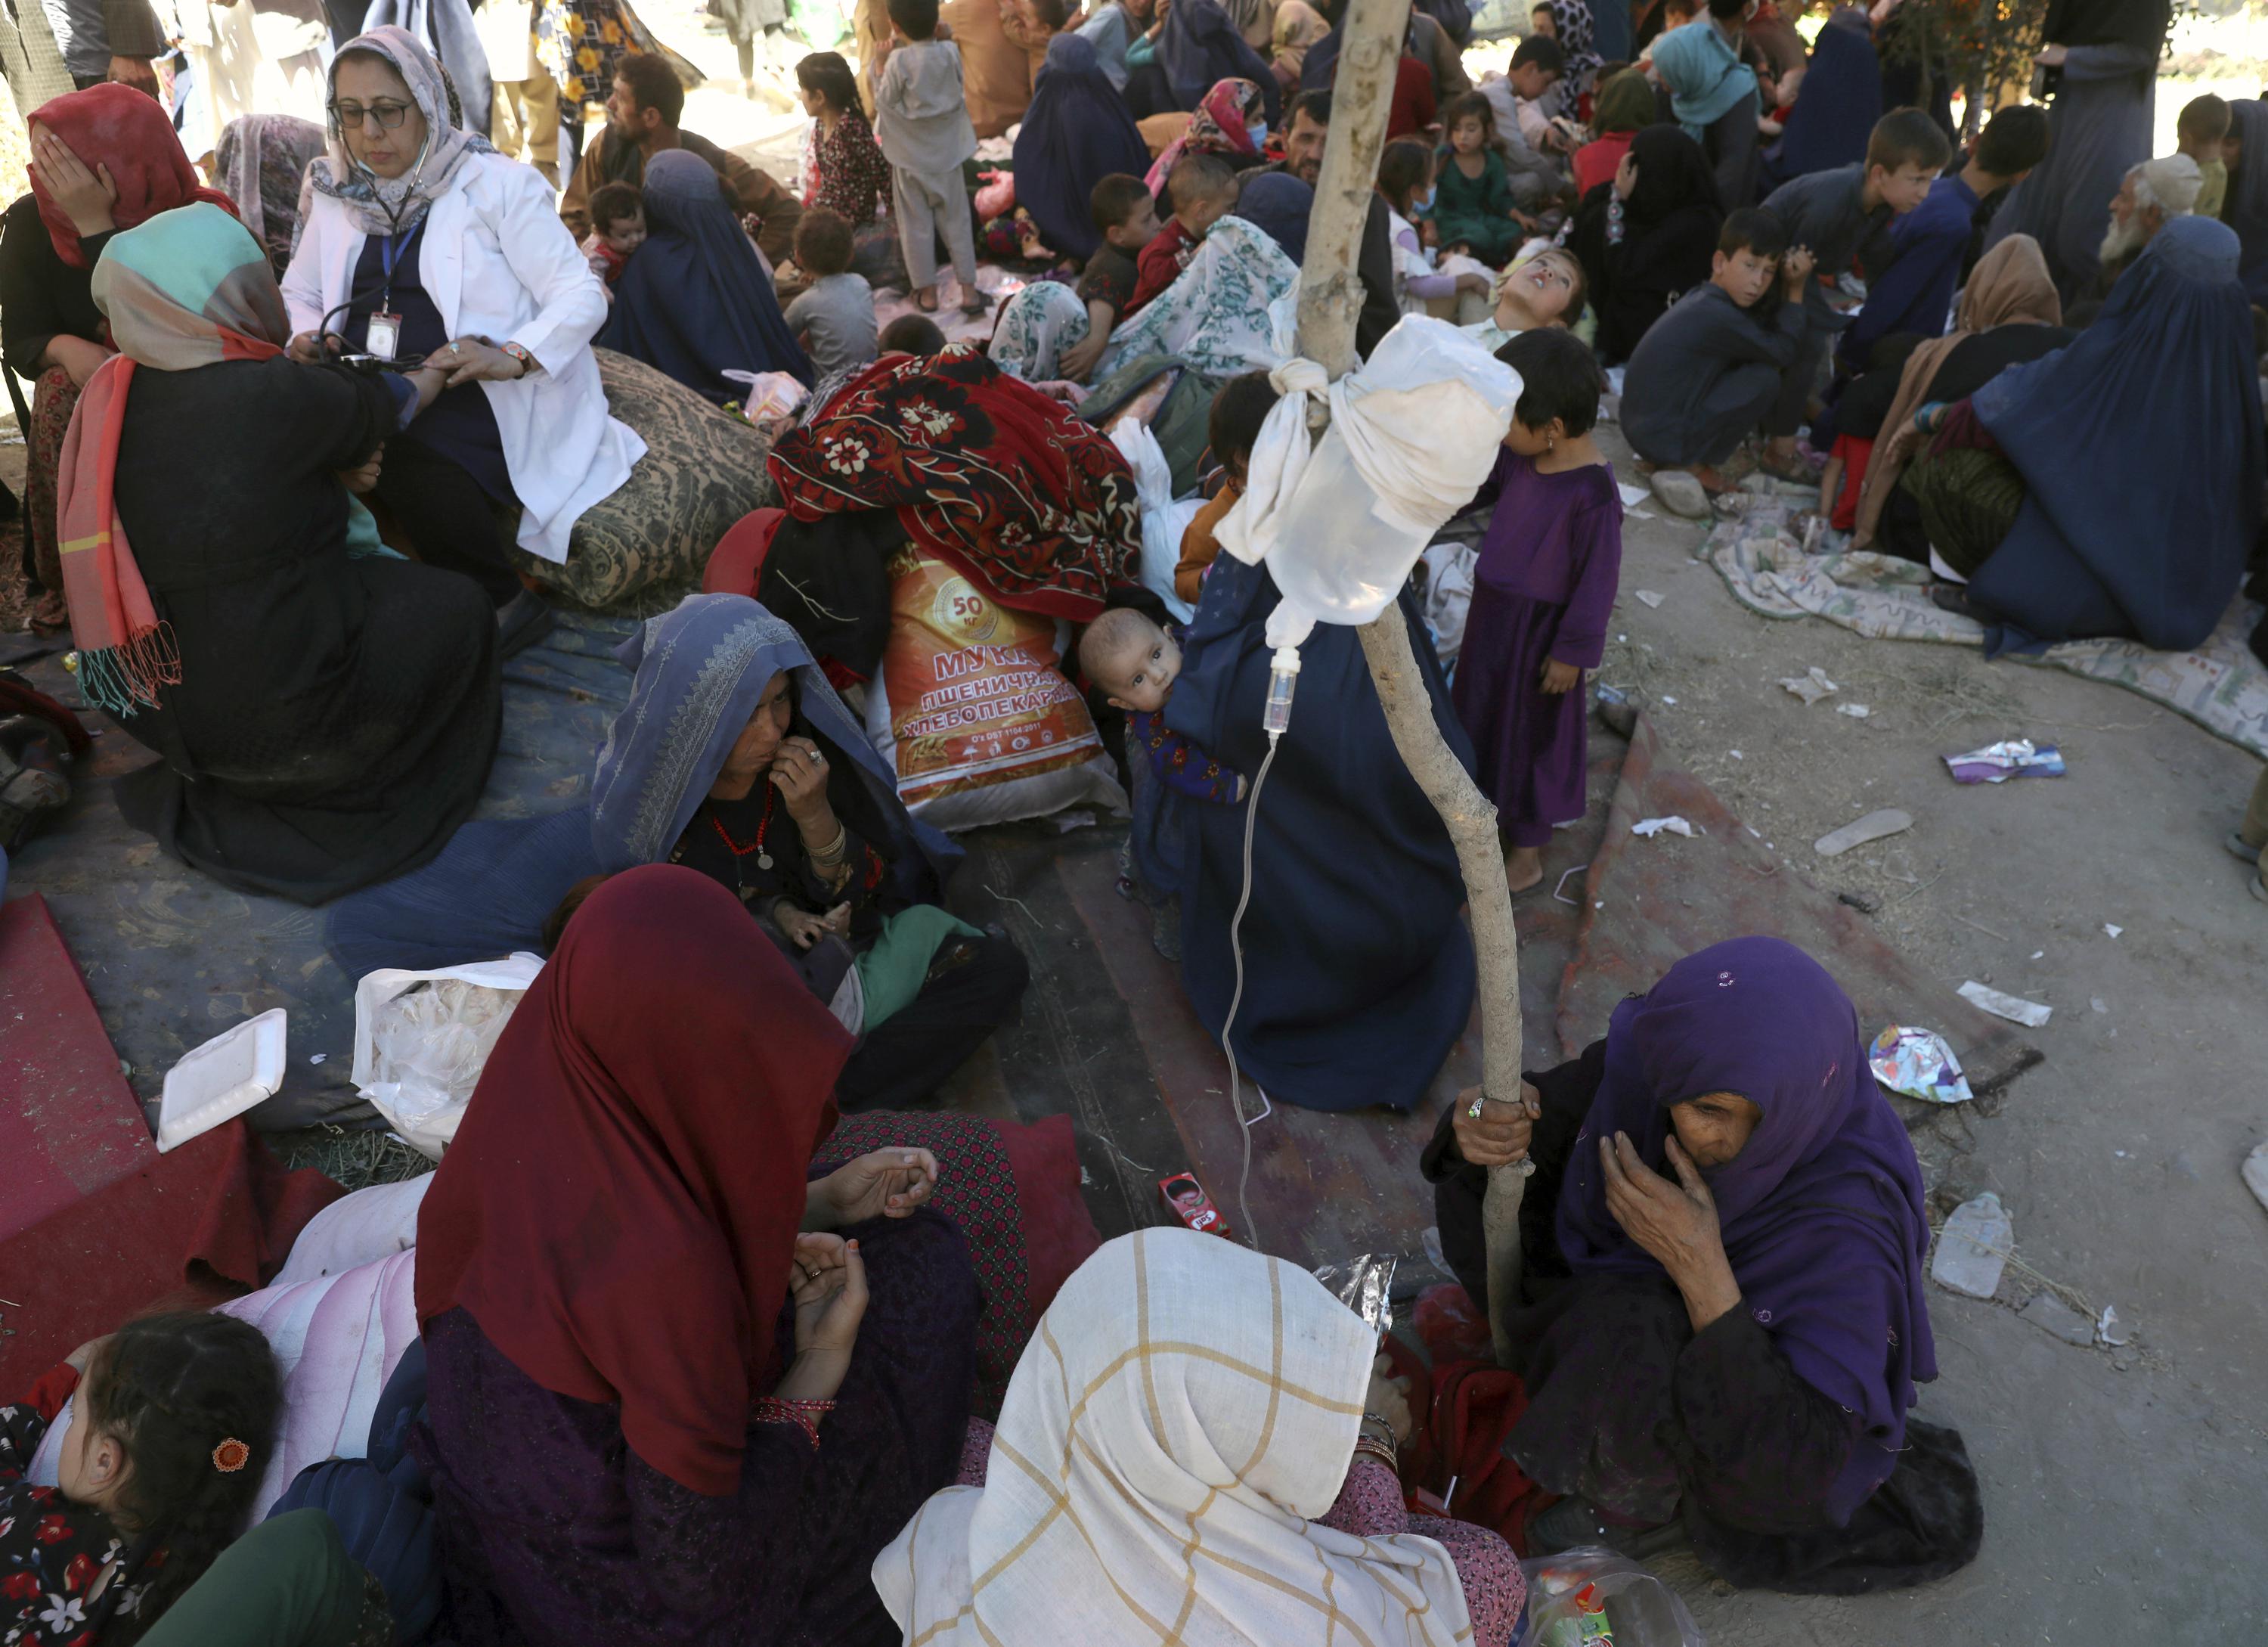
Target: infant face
<point x="626" y="234"/>
<point x="1142" y="673"/>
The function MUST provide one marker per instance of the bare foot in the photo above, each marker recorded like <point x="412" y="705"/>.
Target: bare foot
<point x="927" y="301"/>
<point x="1523" y="867"/>
<point x="1712" y="482"/>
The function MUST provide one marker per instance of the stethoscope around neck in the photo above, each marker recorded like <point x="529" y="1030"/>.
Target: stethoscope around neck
<point x="383" y="295"/>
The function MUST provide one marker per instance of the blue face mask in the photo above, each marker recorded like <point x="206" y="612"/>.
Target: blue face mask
<point x="1258" y="133"/>
<point x="1422" y="202"/>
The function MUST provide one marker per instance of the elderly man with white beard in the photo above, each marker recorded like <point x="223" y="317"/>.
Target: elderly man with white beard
<point x="2152" y="194"/>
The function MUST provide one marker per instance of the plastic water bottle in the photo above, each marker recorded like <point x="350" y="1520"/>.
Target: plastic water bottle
<point x="1585" y="1626"/>
<point x="1974" y="1247"/>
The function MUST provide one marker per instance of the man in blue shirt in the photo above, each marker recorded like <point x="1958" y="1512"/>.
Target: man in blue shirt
<point x="1913" y="292"/>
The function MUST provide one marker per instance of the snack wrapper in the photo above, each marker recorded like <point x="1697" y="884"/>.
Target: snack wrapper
<point x="1920" y="1064"/>
<point x="1365" y="1284"/>
<point x="2013" y="757"/>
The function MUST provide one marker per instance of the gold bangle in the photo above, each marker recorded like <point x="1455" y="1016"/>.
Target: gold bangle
<point x="1368" y="1448"/>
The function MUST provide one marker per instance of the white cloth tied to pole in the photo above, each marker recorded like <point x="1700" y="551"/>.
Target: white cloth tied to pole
<point x="1413" y="433"/>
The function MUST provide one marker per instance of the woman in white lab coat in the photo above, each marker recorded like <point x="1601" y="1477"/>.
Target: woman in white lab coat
<point x="421" y="240"/>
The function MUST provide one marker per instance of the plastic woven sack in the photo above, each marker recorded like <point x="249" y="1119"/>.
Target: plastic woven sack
<point x="971" y="710"/>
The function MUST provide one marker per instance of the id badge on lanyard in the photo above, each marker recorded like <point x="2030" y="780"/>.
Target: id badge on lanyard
<point x="384" y="341"/>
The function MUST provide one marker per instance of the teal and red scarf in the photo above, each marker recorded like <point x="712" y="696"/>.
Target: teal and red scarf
<point x="187" y="288"/>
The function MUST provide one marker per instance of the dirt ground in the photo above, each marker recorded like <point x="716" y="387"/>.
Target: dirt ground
<point x="2125" y="1492"/>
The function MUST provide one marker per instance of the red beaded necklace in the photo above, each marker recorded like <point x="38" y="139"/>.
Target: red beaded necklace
<point x="763" y="825"/>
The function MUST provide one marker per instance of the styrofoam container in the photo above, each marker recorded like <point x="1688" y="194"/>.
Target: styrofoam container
<point x="218" y="1081"/>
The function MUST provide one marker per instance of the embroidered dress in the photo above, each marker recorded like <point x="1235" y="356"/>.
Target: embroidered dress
<point x="843" y="170"/>
<point x="52" y="1552"/>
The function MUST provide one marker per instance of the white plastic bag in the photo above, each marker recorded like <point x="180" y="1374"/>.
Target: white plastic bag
<point x="1413" y="433"/>
<point x="1448" y="597"/>
<point x="769" y="394"/>
<point x="1163" y="520"/>
<point x="421" y="1039"/>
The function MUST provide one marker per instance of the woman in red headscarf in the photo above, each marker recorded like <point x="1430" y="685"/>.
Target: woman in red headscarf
<point x="680" y="1390"/>
<point x="102" y="159"/>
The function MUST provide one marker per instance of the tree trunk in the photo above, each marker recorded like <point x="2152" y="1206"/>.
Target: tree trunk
<point x="1330" y="297"/>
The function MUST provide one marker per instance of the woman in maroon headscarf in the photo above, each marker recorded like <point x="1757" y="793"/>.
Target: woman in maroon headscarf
<point x="102" y="159"/>
<point x="679" y="1394"/>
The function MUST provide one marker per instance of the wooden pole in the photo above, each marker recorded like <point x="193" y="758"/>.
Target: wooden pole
<point x="1330" y="296"/>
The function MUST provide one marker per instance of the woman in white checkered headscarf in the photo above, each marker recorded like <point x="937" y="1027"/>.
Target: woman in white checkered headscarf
<point x="1186" y="1414"/>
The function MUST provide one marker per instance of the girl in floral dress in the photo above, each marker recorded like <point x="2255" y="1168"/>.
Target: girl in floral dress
<point x="172" y="1424"/>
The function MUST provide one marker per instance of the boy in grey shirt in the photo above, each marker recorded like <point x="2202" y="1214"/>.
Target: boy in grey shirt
<point x="834" y="319"/>
<point x="921" y="123"/>
<point x="1708" y="372"/>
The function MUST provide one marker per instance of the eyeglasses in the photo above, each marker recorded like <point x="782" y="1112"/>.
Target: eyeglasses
<point x="389" y="116"/>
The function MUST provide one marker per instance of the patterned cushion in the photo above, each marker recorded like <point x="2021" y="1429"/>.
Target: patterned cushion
<point x="703" y="471"/>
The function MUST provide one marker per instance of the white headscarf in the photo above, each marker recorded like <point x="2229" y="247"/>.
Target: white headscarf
<point x="2170" y="183"/>
<point x="387" y="206"/>
<point x="1185" y="1411"/>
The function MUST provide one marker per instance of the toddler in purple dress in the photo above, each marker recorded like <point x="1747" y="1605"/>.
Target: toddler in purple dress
<point x="1542" y="586"/>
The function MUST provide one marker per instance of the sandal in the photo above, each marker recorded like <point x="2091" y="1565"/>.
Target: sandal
<point x="1951" y="597"/>
<point x="927" y="301"/>
<point x="1795" y="470"/>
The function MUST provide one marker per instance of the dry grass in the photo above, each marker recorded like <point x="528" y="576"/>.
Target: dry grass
<point x="356" y="1157"/>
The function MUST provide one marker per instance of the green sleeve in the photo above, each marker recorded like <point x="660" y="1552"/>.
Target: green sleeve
<point x="288" y="1582"/>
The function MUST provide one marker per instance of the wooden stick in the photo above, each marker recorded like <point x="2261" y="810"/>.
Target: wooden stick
<point x="1330" y="297"/>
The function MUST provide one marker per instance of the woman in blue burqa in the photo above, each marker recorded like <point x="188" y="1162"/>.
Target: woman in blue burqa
<point x="1841" y="101"/>
<point x="733" y="756"/>
<point x="1358" y="971"/>
<point x="2111" y="488"/>
<point x="695" y="300"/>
<point x="2102" y="58"/>
<point x="1076" y="133"/>
<point x="1198" y="46"/>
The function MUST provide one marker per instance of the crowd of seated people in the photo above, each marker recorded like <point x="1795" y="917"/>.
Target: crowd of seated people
<point x="2028" y="360"/>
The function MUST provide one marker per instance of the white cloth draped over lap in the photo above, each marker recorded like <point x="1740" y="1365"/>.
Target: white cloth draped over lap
<point x="1186" y="1410"/>
<point x="498" y="263"/>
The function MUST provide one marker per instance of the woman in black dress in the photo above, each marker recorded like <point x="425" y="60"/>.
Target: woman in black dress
<point x="1646" y="239"/>
<point x="326" y="720"/>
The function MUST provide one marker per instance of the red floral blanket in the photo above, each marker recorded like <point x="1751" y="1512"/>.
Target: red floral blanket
<point x="1027" y="501"/>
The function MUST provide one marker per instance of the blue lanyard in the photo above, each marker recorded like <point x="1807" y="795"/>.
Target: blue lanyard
<point x="390" y="251"/>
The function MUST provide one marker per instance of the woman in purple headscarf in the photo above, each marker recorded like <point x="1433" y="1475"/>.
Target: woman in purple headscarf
<point x="1724" y="1243"/>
